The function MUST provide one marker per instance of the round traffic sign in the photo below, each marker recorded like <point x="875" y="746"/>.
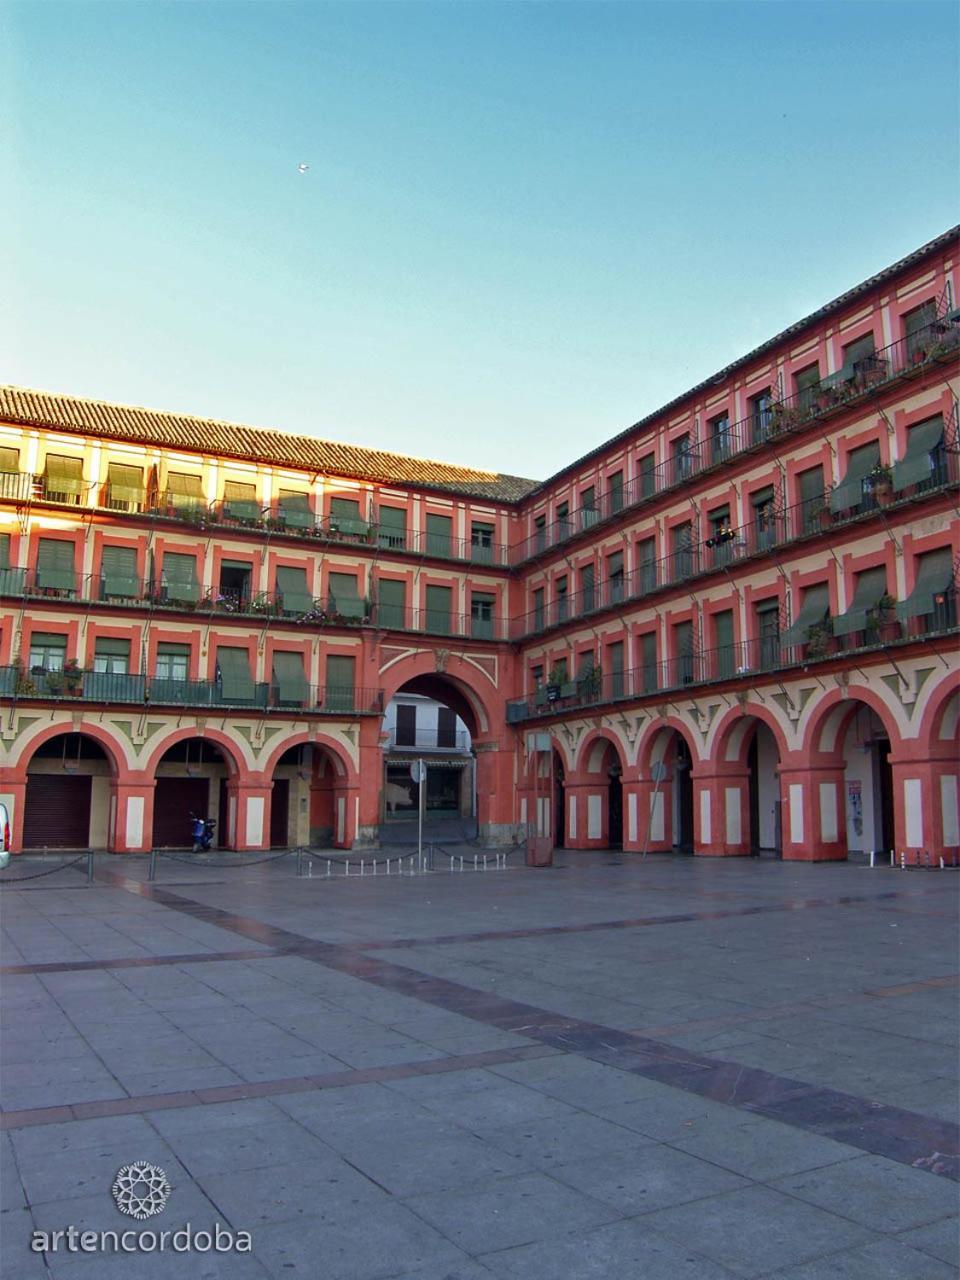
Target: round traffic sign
<point x="418" y="770"/>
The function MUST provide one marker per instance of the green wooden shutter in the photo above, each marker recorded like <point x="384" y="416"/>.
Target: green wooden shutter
<point x="293" y="589"/>
<point x="63" y="478"/>
<point x="393" y="527"/>
<point x="917" y="464"/>
<point x="391" y="603"/>
<point x="12" y="580"/>
<point x="871" y="585"/>
<point x="124" y="487"/>
<point x="438" y="601"/>
<point x="343" y="596"/>
<point x="184" y="495"/>
<point x="118" y="569"/>
<point x="294" y="510"/>
<point x="236" y="682"/>
<point x="648" y="661"/>
<point x="934" y="576"/>
<point x="341" y="678"/>
<point x="816" y="605"/>
<point x="55" y="570"/>
<point x="9" y="459"/>
<point x="481" y="542"/>
<point x="289" y="679"/>
<point x="849" y="492"/>
<point x="439" y="534"/>
<point x="240" y="502"/>
<point x="345" y="518"/>
<point x="180" y="577"/>
<point x="723" y="642"/>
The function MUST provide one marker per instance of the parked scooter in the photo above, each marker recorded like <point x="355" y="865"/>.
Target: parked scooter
<point x="202" y="829"/>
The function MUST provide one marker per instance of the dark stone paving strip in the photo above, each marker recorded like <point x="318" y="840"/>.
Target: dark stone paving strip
<point x="903" y="1136"/>
<point x="265" y="1088"/>
<point x="132" y="962"/>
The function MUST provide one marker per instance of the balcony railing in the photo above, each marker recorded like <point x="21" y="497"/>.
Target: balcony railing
<point x="112" y="687"/>
<point x="745" y="660"/>
<point x="770" y="528"/>
<point x="191" y="597"/>
<point x="428" y="740"/>
<point x="938" y="341"/>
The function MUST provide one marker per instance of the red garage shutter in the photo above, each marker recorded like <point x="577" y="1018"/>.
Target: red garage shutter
<point x="173" y="802"/>
<point x="57" y="811"/>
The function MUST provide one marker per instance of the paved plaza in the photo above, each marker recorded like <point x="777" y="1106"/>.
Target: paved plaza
<point x="675" y="1069"/>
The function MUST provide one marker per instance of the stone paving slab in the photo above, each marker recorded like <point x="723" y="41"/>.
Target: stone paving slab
<point x="740" y="1069"/>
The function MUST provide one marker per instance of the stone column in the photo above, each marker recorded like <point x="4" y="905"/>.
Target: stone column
<point x="721" y="811"/>
<point x="133" y="817"/>
<point x="813" y="814"/>
<point x="497" y="811"/>
<point x="248" y="806"/>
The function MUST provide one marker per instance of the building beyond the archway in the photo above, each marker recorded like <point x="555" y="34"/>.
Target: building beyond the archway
<point x="734" y="625"/>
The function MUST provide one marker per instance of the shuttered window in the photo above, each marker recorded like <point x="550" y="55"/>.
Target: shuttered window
<point x="393" y="527"/>
<point x="345" y="517"/>
<point x="439" y="533"/>
<point x="233" y="668"/>
<point x="184" y="492"/>
<point x="406" y="732"/>
<point x="648" y="475"/>
<point x="723" y="643"/>
<point x="615" y="667"/>
<point x="922" y="462"/>
<point x="118" y="573"/>
<point x="587" y="588"/>
<point x="4" y="551"/>
<point x="391" y="602"/>
<point x="648" y="661"/>
<point x="294" y="509"/>
<point x="55" y="565"/>
<point x="813" y="611"/>
<point x="124" y="487"/>
<point x="438" y="601"/>
<point x="344" y="596"/>
<point x="616" y="492"/>
<point x="9" y="459"/>
<point x="915" y="326"/>
<point x="294" y="593"/>
<point x="647" y="564"/>
<point x="63" y="478"/>
<point x="240" y="501"/>
<point x="871" y="585"/>
<point x="615" y="577"/>
<point x="289" y="680"/>
<point x="180" y="577"/>
<point x="849" y="492"/>
<point x="934" y="578"/>
<point x="481" y="543"/>
<point x="341" y="678"/>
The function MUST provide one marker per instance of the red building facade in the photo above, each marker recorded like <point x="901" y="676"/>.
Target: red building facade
<point x="730" y="630"/>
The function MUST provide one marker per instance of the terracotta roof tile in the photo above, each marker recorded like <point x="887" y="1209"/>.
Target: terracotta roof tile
<point x="228" y="439"/>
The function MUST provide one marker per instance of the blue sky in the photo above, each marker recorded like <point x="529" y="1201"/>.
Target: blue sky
<point x="524" y="226"/>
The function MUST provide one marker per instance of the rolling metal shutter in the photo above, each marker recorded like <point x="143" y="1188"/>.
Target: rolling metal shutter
<point x="57" y="811"/>
<point x="173" y="802"/>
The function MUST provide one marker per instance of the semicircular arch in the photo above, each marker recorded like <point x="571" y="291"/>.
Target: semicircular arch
<point x="112" y="747"/>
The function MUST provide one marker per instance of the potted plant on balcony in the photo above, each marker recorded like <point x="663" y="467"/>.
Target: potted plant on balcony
<point x="590" y="683"/>
<point x="820" y="515"/>
<point x="820" y="640"/>
<point x="72" y="676"/>
<point x="23" y="685"/>
<point x="881" y="484"/>
<point x="556" y="681"/>
<point x="882" y="625"/>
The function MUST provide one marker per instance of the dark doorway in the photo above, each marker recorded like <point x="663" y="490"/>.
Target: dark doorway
<point x="279" y="813"/>
<point x="174" y="800"/>
<point x="885" y="798"/>
<point x="683" y="791"/>
<point x="57" y="811"/>
<point x="559" y="806"/>
<point x="615" y="808"/>
<point x="753" y="788"/>
<point x="223" y="816"/>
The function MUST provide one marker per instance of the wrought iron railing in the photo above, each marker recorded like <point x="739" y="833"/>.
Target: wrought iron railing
<point x="770" y="528"/>
<point x="428" y="740"/>
<point x="115" y="687"/>
<point x="745" y="660"/>
<point x="938" y="341"/>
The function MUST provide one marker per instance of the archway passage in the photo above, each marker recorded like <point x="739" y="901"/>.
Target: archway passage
<point x="559" y="804"/>
<point x="431" y="722"/>
<point x="864" y="748"/>
<point x="679" y="763"/>
<point x="191" y="781"/>
<point x="614" y="772"/>
<point x="68" y="796"/>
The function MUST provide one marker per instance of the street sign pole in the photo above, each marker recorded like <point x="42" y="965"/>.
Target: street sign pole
<point x="418" y="772"/>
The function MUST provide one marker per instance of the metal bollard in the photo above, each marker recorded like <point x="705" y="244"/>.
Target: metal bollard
<point x="891" y="857"/>
<point x="329" y="867"/>
<point x="410" y="865"/>
<point x="484" y="862"/>
<point x="388" y="866"/>
<point x="299" y="863"/>
<point x="361" y="866"/>
<point x="309" y="868"/>
<point x="941" y="862"/>
<point x="903" y="860"/>
<point x="152" y="872"/>
<point x="90" y="867"/>
<point x="346" y="867"/>
<point x="374" y="866"/>
<point x="451" y="864"/>
<point x="461" y="862"/>
<point x="474" y="862"/>
<point x="873" y="857"/>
